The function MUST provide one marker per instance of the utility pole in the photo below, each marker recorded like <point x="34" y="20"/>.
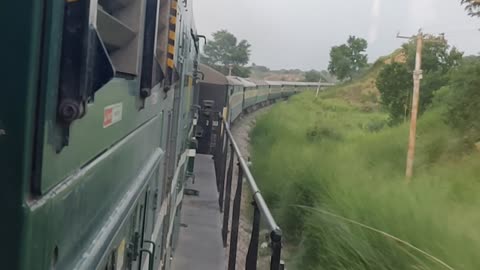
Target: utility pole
<point x="230" y="67"/>
<point x="417" y="76"/>
<point x="318" y="87"/>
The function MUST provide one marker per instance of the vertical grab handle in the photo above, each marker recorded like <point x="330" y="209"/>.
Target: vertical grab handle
<point x="151" y="254"/>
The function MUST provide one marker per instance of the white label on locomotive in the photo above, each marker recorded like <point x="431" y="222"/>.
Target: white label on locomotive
<point x="112" y="114"/>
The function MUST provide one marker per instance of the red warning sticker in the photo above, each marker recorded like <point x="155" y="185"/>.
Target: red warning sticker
<point x="112" y="114"/>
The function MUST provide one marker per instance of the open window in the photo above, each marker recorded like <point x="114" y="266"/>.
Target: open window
<point x="120" y="24"/>
<point x="101" y="39"/>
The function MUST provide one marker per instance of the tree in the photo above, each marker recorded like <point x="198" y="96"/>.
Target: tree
<point x="395" y="81"/>
<point x="312" y="76"/>
<point x="358" y="58"/>
<point x="340" y="65"/>
<point x="225" y="51"/>
<point x="463" y="101"/>
<point x="347" y="59"/>
<point x="472" y="7"/>
<point x="436" y="55"/>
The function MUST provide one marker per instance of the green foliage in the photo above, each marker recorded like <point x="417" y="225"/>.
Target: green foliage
<point x="224" y="51"/>
<point x="323" y="154"/>
<point x="239" y="71"/>
<point x="437" y="56"/>
<point x="463" y="100"/>
<point x="470" y="59"/>
<point x="358" y="58"/>
<point x="395" y="81"/>
<point x="340" y="64"/>
<point x="472" y="7"/>
<point x="313" y="76"/>
<point x="395" y="85"/>
<point x="347" y="59"/>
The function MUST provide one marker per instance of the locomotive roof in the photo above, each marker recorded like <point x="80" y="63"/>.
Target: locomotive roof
<point x="212" y="76"/>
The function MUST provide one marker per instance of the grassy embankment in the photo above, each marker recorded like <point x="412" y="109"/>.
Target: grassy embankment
<point x="333" y="170"/>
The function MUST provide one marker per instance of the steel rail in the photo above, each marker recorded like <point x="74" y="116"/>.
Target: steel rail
<point x="257" y="196"/>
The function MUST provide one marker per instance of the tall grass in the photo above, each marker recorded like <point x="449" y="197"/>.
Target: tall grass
<point x="335" y="177"/>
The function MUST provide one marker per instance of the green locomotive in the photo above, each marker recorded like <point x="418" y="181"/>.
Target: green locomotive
<point x="96" y="124"/>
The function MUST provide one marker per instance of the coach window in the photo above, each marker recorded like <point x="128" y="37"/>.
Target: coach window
<point x="120" y="23"/>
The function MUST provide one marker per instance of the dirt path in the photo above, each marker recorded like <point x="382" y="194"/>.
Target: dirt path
<point x="241" y="131"/>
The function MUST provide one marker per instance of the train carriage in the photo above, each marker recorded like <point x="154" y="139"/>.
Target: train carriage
<point x="236" y="97"/>
<point x="288" y="88"/>
<point x="249" y="94"/>
<point x="96" y="124"/>
<point x="213" y="102"/>
<point x="263" y="91"/>
<point x="311" y="86"/>
<point x="301" y="86"/>
<point x="275" y="90"/>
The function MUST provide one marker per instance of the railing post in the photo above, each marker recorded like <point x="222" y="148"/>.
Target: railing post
<point x="226" y="208"/>
<point x="232" y="258"/>
<point x="276" y="242"/>
<point x="212" y="131"/>
<point x="260" y="209"/>
<point x="221" y="173"/>
<point x="218" y="160"/>
<point x="252" y="254"/>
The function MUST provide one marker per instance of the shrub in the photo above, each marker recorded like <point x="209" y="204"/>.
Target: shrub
<point x="464" y="100"/>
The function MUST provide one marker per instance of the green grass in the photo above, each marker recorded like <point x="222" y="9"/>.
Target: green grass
<point x="347" y="167"/>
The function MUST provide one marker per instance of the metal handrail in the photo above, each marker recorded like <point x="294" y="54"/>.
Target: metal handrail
<point x="257" y="196"/>
<point x="224" y="183"/>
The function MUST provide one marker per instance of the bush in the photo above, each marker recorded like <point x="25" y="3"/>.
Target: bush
<point x="395" y="85"/>
<point x="464" y="100"/>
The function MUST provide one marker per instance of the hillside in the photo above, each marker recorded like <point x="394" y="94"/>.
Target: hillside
<point x="362" y="91"/>
<point x="333" y="169"/>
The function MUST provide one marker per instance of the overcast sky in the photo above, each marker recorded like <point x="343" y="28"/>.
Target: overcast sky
<point x="299" y="33"/>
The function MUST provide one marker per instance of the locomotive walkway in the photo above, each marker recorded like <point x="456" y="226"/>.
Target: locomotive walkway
<point x="200" y="241"/>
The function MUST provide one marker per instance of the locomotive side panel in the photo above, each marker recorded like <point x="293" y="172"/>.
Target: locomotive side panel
<point x="97" y="187"/>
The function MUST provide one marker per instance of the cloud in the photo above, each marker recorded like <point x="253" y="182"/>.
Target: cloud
<point x="422" y="13"/>
<point x="376" y="7"/>
<point x="375" y="15"/>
